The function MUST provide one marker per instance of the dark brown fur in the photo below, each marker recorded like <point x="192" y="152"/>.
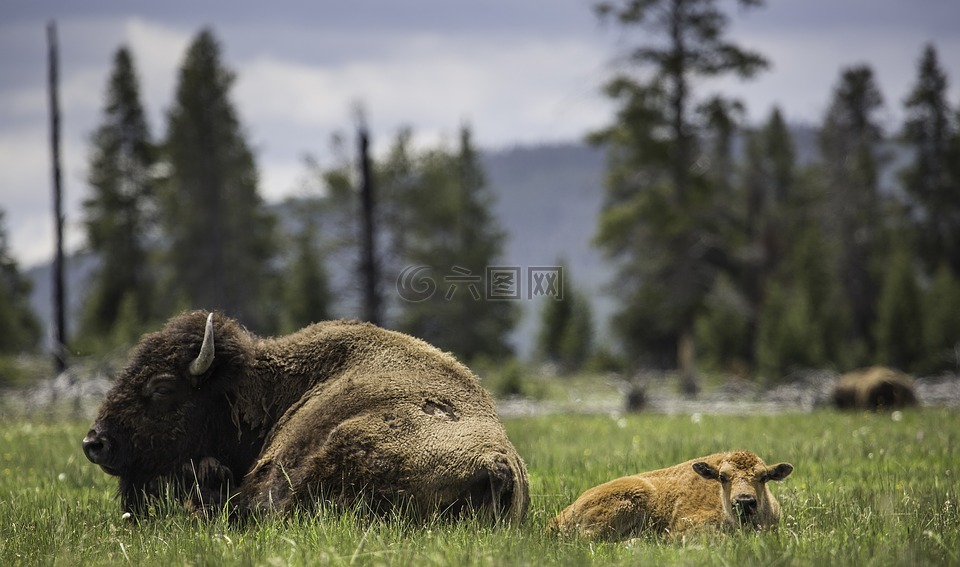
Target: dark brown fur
<point x="874" y="388"/>
<point x="339" y="412"/>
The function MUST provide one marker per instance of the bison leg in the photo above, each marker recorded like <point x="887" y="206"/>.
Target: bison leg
<point x="615" y="510"/>
<point x="207" y="485"/>
<point x="301" y="475"/>
<point x="415" y="458"/>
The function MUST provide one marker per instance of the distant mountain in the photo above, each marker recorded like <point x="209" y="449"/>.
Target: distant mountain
<point x="548" y="201"/>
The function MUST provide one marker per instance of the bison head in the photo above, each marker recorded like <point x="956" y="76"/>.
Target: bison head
<point x="743" y="477"/>
<point x="169" y="409"/>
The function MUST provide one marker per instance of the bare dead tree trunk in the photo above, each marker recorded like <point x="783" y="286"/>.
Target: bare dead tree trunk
<point x="368" y="267"/>
<point x="60" y="340"/>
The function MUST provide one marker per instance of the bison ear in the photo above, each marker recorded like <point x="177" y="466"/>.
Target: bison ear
<point x="204" y="360"/>
<point x="779" y="471"/>
<point x="706" y="471"/>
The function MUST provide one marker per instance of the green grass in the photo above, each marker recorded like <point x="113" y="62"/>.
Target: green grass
<point x="867" y="490"/>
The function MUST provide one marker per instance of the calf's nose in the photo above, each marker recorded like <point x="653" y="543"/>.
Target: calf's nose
<point x="746" y="503"/>
<point x="95" y="446"/>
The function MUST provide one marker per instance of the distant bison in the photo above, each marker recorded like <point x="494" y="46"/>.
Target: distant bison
<point x="339" y="412"/>
<point x="874" y="388"/>
<point x="721" y="490"/>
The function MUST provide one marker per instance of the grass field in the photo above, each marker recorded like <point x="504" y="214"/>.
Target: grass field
<point x="867" y="490"/>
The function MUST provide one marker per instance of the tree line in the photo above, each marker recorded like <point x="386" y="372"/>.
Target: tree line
<point x="179" y="223"/>
<point x="731" y="254"/>
<point x="744" y="260"/>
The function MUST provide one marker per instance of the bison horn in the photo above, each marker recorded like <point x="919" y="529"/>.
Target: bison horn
<point x="203" y="361"/>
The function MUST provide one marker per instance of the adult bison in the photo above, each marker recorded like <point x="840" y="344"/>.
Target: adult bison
<point x="874" y="388"/>
<point x="340" y="412"/>
<point x="724" y="490"/>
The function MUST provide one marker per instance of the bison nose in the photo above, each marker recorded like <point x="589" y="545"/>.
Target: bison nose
<point x="489" y="489"/>
<point x="96" y="447"/>
<point x="745" y="504"/>
<point x="493" y="488"/>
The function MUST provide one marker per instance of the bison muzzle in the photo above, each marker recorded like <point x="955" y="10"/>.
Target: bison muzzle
<point x="339" y="413"/>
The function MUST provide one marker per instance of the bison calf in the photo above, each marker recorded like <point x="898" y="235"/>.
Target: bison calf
<point x="339" y="412"/>
<point x="721" y="490"/>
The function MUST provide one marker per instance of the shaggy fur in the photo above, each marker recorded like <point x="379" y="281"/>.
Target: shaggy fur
<point x="339" y="412"/>
<point x="721" y="490"/>
<point x="874" y="388"/>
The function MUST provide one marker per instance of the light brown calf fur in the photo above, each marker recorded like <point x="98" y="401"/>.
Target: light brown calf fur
<point x="721" y="490"/>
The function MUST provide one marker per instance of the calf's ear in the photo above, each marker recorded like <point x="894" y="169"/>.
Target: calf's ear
<point x="706" y="471"/>
<point x="779" y="471"/>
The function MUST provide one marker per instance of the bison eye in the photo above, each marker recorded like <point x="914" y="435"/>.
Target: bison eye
<point x="724" y="478"/>
<point x="162" y="388"/>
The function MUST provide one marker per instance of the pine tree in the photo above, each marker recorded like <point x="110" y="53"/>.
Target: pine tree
<point x="770" y="203"/>
<point x="566" y="327"/>
<point x="576" y="345"/>
<point x="452" y="230"/>
<point x="805" y="320"/>
<point x="221" y="236"/>
<point x="20" y="327"/>
<point x="723" y="323"/>
<point x="786" y="338"/>
<point x="813" y="271"/>
<point x="397" y="180"/>
<point x="555" y="317"/>
<point x="659" y="219"/>
<point x="723" y="328"/>
<point x="333" y="212"/>
<point x="928" y="131"/>
<point x="850" y="151"/>
<point x="119" y="216"/>
<point x="337" y="210"/>
<point x="788" y="276"/>
<point x="899" y="331"/>
<point x="308" y="295"/>
<point x="941" y="326"/>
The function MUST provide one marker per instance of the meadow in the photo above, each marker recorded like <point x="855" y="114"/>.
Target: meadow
<point x="868" y="489"/>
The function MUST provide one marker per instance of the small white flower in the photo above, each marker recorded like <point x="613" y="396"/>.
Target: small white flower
<point x="696" y="418"/>
<point x="126" y="516"/>
<point x="896" y="416"/>
<point x="62" y="477"/>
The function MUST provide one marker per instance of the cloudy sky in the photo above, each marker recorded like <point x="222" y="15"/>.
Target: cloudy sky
<point x="519" y="71"/>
